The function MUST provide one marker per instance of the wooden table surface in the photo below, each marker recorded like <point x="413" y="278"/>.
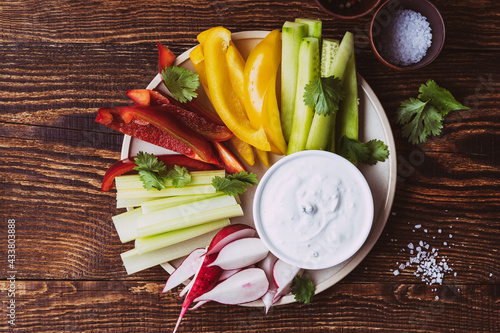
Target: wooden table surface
<point x="61" y="60"/>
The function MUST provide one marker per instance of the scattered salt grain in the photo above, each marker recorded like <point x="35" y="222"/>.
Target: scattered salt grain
<point x="429" y="266"/>
<point x="406" y="39"/>
<point x="418" y="226"/>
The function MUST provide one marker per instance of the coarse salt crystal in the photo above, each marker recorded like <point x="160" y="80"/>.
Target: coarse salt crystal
<point x="418" y="226"/>
<point x="406" y="39"/>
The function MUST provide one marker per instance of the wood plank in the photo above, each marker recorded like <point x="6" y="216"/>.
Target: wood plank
<point x="136" y="22"/>
<point x="133" y="306"/>
<point x="55" y="195"/>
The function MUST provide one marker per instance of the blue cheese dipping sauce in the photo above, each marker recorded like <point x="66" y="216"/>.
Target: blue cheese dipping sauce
<point x="406" y="39"/>
<point x="313" y="209"/>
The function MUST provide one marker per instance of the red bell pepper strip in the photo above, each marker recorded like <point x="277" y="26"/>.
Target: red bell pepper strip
<point x="229" y="161"/>
<point x="153" y="125"/>
<point x="200" y="124"/>
<point x="165" y="57"/>
<point x="126" y="165"/>
<point x="146" y="97"/>
<point x="195" y="107"/>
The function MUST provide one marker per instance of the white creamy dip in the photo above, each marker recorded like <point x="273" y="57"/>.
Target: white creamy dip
<point x="313" y="209"/>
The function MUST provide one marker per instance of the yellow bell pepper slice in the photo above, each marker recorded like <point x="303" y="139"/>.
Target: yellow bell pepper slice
<point x="222" y="94"/>
<point x="198" y="60"/>
<point x="263" y="157"/>
<point x="271" y="120"/>
<point x="236" y="65"/>
<point x="260" y="67"/>
<point x="243" y="149"/>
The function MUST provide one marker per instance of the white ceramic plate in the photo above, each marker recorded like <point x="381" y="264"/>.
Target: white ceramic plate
<point x="373" y="124"/>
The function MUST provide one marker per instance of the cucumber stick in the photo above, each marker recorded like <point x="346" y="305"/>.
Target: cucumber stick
<point x="308" y="70"/>
<point x="323" y="127"/>
<point x="314" y="27"/>
<point x="347" y="116"/>
<point x="320" y="132"/>
<point x="291" y="36"/>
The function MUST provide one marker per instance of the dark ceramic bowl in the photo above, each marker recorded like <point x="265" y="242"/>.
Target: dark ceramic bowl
<point x="383" y="16"/>
<point x="359" y="9"/>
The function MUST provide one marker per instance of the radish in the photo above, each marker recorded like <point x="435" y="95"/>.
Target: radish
<point x="283" y="274"/>
<point x="205" y="279"/>
<point x="186" y="288"/>
<point x="241" y="253"/>
<point x="243" y="287"/>
<point x="267" y="265"/>
<point x="228" y="234"/>
<point x="227" y="274"/>
<point x="186" y="269"/>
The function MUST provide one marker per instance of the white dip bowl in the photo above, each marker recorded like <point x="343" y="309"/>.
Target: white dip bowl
<point x="313" y="209"/>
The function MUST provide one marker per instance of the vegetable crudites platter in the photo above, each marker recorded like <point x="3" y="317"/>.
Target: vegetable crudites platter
<point x="259" y="172"/>
<point x="173" y="212"/>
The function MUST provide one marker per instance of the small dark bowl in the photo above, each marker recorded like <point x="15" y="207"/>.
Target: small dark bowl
<point x="382" y="18"/>
<point x="359" y="9"/>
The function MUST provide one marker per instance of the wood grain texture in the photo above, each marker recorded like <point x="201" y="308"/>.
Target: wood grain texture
<point x="93" y="306"/>
<point x="62" y="60"/>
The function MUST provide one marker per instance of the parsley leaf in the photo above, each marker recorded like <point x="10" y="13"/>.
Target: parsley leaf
<point x="423" y="116"/>
<point x="180" y="176"/>
<point x="303" y="289"/>
<point x="236" y="183"/>
<point x="181" y="82"/>
<point x="324" y="95"/>
<point x="369" y="153"/>
<point x="439" y="97"/>
<point x="154" y="173"/>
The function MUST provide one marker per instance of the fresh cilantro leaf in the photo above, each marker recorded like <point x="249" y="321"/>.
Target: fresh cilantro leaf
<point x="419" y="120"/>
<point x="303" y="289"/>
<point x="247" y="178"/>
<point x="324" y="95"/>
<point x="234" y="184"/>
<point x="424" y="116"/>
<point x="439" y="97"/>
<point x="151" y="180"/>
<point x="147" y="161"/>
<point x="379" y="152"/>
<point x="181" y="82"/>
<point x="154" y="173"/>
<point x="370" y="152"/>
<point x="180" y="176"/>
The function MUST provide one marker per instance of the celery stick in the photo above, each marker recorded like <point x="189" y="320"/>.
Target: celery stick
<point x="152" y="243"/>
<point x="323" y="127"/>
<point x="347" y="117"/>
<point x="141" y="195"/>
<point x="154" y="205"/>
<point x="134" y="262"/>
<point x="126" y="224"/>
<point x="188" y="221"/>
<point x="308" y="70"/>
<point x="133" y="182"/>
<point x="184" y="210"/>
<point x="292" y="35"/>
<point x="314" y="26"/>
